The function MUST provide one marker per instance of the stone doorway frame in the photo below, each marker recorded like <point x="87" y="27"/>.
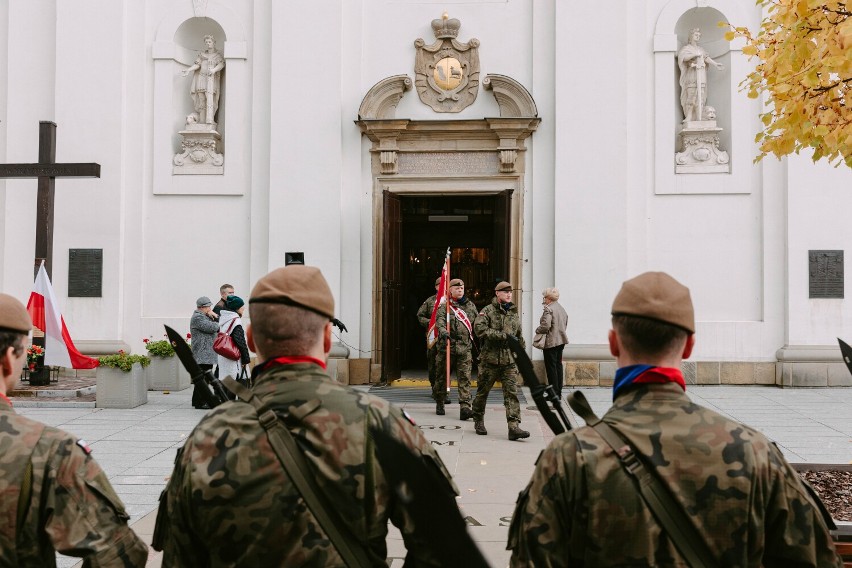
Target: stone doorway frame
<point x="445" y="157"/>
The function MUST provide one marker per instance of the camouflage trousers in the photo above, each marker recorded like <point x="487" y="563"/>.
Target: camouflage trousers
<point x="463" y="363"/>
<point x="488" y="375"/>
<point x="431" y="352"/>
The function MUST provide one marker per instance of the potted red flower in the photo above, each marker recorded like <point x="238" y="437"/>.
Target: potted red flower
<point x="39" y="375"/>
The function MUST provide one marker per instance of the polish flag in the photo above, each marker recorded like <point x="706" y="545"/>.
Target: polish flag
<point x="442" y="295"/>
<point x="59" y="350"/>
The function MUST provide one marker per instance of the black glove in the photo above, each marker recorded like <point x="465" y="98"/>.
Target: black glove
<point x="338" y="324"/>
<point x="442" y="336"/>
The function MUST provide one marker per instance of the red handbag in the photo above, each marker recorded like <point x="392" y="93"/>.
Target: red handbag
<point x="225" y="345"/>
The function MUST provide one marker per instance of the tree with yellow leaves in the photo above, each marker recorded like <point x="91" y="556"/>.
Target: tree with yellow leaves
<point x="805" y="70"/>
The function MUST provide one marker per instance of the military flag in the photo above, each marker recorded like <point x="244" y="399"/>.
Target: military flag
<point x="442" y="293"/>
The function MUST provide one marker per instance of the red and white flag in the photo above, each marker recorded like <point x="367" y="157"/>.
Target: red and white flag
<point x="442" y="293"/>
<point x="59" y="350"/>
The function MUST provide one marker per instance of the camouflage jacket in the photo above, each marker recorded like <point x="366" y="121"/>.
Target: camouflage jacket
<point x="492" y="325"/>
<point x="582" y="509"/>
<point x="460" y="337"/>
<point x="230" y="502"/>
<point x="424" y="314"/>
<point x="72" y="509"/>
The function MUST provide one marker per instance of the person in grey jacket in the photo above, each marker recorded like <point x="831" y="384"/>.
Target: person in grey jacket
<point x="203" y="327"/>
<point x="553" y="323"/>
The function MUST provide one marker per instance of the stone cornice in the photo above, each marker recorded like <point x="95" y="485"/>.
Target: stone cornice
<point x="502" y="135"/>
<point x="434" y="130"/>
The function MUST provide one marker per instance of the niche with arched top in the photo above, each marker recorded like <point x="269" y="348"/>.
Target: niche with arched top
<point x="178" y="39"/>
<point x="189" y="42"/>
<point x="718" y="81"/>
<point x="736" y="114"/>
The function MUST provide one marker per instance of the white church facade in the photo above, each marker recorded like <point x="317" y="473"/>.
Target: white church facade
<point x="544" y="142"/>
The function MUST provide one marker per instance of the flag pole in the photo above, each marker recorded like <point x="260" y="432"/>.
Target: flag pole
<point x="447" y="311"/>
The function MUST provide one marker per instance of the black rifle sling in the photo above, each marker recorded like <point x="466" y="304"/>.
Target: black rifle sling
<point x="657" y="497"/>
<point x="349" y="548"/>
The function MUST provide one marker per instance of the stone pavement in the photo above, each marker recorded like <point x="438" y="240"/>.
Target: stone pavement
<point x="136" y="447"/>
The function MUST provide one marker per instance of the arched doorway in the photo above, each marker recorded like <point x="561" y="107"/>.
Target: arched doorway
<point x="436" y="181"/>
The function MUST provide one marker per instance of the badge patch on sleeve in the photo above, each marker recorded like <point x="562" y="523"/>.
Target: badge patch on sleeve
<point x="84" y="446"/>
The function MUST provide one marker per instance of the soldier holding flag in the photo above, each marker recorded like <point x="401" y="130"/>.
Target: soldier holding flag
<point x="462" y="312"/>
<point x="424" y="316"/>
<point x="430" y="306"/>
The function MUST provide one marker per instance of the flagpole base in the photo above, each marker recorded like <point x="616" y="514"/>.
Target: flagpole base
<point x="39" y="377"/>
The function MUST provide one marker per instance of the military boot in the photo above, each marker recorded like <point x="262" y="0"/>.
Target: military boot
<point x="439" y="408"/>
<point x="479" y="426"/>
<point x="465" y="413"/>
<point x="515" y="433"/>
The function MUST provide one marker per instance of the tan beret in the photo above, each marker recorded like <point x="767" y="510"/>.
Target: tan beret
<point x="13" y="315"/>
<point x="656" y="296"/>
<point x="295" y="285"/>
<point x="456" y="282"/>
<point x="503" y="287"/>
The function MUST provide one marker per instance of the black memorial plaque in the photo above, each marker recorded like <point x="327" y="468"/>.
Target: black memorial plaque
<point x="825" y="268"/>
<point x="85" y="273"/>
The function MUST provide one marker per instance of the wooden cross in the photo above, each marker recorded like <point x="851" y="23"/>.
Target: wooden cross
<point x="47" y="170"/>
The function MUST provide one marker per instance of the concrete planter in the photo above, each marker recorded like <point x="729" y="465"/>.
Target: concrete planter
<point x="117" y="389"/>
<point x="166" y="374"/>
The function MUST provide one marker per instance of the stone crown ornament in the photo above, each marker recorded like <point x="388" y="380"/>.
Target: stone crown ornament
<point x="447" y="72"/>
<point x="445" y="27"/>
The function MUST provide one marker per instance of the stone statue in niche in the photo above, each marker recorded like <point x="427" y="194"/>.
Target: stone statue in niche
<point x="700" y="152"/>
<point x="206" y="81"/>
<point x="692" y="60"/>
<point x="447" y="72"/>
<point x="199" y="149"/>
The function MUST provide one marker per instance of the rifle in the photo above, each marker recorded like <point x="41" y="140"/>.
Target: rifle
<point x="429" y="500"/>
<point x="214" y="393"/>
<point x="846" y="351"/>
<point x="542" y="392"/>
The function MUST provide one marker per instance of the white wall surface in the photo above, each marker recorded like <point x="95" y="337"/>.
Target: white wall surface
<point x="30" y="96"/>
<point x="592" y="219"/>
<point x="820" y="199"/>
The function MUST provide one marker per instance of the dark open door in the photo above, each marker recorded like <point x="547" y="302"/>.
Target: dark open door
<point x="391" y="287"/>
<point x="502" y="235"/>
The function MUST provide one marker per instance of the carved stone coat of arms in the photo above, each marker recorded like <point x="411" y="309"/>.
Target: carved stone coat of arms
<point x="447" y="72"/>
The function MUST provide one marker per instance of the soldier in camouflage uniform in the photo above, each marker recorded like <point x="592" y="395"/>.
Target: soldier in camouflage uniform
<point x="463" y="313"/>
<point x="582" y="509"/>
<point x="492" y="325"/>
<point x="53" y="495"/>
<point x="229" y="501"/>
<point x="424" y="316"/>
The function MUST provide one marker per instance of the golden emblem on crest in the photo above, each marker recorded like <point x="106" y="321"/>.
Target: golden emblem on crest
<point x="447" y="72"/>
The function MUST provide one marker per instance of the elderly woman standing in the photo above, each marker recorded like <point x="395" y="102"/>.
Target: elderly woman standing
<point x="203" y="328"/>
<point x="553" y="323"/>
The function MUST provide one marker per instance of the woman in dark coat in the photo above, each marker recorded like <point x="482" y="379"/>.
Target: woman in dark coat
<point x="230" y="323"/>
<point x="553" y="323"/>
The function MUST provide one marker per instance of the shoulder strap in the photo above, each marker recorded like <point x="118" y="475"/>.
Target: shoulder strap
<point x="668" y="512"/>
<point x="352" y="551"/>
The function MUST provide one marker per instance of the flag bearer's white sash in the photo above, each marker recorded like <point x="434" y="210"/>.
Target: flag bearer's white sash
<point x="462" y="317"/>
